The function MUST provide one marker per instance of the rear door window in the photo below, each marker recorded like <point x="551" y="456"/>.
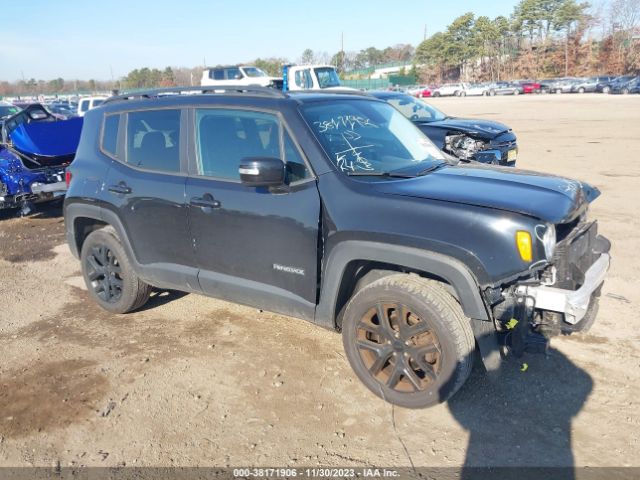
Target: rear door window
<point x="153" y="138"/>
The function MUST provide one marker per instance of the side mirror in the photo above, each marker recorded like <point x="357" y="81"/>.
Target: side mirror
<point x="262" y="172"/>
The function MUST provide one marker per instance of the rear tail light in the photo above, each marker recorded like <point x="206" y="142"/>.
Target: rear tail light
<point x="67" y="177"/>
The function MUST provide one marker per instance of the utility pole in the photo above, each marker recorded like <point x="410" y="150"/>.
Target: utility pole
<point x="341" y="51"/>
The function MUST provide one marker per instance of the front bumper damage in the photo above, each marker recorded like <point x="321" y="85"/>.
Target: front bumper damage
<point x="561" y="299"/>
<point x="572" y="303"/>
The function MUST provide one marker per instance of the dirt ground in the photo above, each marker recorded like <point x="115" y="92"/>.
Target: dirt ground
<point x="193" y="381"/>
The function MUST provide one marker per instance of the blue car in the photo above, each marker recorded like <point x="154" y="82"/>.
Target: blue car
<point x="35" y="149"/>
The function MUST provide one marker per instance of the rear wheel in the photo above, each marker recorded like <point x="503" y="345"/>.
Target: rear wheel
<point x="606" y="89"/>
<point x="516" y="92"/>
<point x="581" y="90"/>
<point x="408" y="340"/>
<point x="462" y="94"/>
<point x="436" y="94"/>
<point x="108" y="273"/>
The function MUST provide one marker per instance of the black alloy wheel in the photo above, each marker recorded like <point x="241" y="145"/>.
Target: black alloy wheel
<point x="105" y="274"/>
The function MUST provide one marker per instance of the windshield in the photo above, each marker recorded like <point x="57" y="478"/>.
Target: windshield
<point x="253" y="72"/>
<point x="8" y="110"/>
<point x="368" y="137"/>
<point x="415" y="109"/>
<point x="327" y="77"/>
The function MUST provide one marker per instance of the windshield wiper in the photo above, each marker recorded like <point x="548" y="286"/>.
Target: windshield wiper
<point x="430" y="169"/>
<point x="379" y="174"/>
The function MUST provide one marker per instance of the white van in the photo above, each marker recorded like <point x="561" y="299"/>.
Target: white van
<point x="87" y="103"/>
<point x="240" y="75"/>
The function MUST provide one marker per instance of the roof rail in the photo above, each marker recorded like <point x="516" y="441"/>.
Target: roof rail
<point x="210" y="89"/>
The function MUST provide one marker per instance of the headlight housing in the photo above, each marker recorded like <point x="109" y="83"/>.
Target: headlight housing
<point x="547" y="235"/>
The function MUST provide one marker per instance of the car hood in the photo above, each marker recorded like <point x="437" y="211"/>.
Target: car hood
<point x="484" y="129"/>
<point x="549" y="198"/>
<point x="47" y="139"/>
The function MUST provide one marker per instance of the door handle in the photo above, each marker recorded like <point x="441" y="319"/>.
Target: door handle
<point x="121" y="188"/>
<point x="205" y="201"/>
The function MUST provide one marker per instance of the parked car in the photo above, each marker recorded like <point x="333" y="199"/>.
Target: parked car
<point x="336" y="209"/>
<point x="480" y="89"/>
<point x="588" y="85"/>
<point x="88" y="103"/>
<point x="530" y="87"/>
<point x="484" y="141"/>
<point x="35" y="149"/>
<point x="422" y="92"/>
<point x="61" y="110"/>
<point x="6" y="110"/>
<point x="605" y="87"/>
<point x="506" y="88"/>
<point x="626" y="87"/>
<point x="563" y="85"/>
<point x="449" y="89"/>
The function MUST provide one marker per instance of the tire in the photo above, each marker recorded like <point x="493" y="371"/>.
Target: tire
<point x="558" y="91"/>
<point x="492" y="93"/>
<point x="462" y="94"/>
<point x="516" y="92"/>
<point x="435" y="358"/>
<point x="108" y="274"/>
<point x="581" y="90"/>
<point x="625" y="91"/>
<point x="606" y="89"/>
<point x="436" y="94"/>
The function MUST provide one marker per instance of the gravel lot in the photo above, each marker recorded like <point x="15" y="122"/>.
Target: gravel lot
<point x="195" y="381"/>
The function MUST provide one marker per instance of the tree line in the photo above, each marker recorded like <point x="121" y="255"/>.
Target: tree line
<point x="539" y="39"/>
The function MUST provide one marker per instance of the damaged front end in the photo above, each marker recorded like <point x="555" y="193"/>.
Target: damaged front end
<point x="36" y="148"/>
<point x="500" y="149"/>
<point x="560" y="298"/>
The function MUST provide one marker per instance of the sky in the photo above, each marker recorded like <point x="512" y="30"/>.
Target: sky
<point x="46" y="39"/>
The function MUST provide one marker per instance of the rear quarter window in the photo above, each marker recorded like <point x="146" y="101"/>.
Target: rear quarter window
<point x="110" y="135"/>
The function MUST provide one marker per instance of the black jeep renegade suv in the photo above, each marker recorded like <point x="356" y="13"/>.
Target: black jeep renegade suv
<point x="336" y="209"/>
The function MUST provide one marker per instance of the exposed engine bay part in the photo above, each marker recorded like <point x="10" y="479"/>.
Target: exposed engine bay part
<point x="463" y="146"/>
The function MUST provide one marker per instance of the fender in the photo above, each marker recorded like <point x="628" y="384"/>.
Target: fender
<point x="450" y="269"/>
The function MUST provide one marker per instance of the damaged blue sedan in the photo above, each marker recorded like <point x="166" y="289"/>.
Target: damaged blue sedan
<point x="35" y="149"/>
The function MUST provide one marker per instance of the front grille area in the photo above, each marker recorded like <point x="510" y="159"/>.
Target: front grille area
<point x="574" y="254"/>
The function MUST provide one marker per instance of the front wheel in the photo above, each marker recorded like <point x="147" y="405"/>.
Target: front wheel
<point x="436" y="94"/>
<point x="408" y="340"/>
<point x="462" y="94"/>
<point x="108" y="273"/>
